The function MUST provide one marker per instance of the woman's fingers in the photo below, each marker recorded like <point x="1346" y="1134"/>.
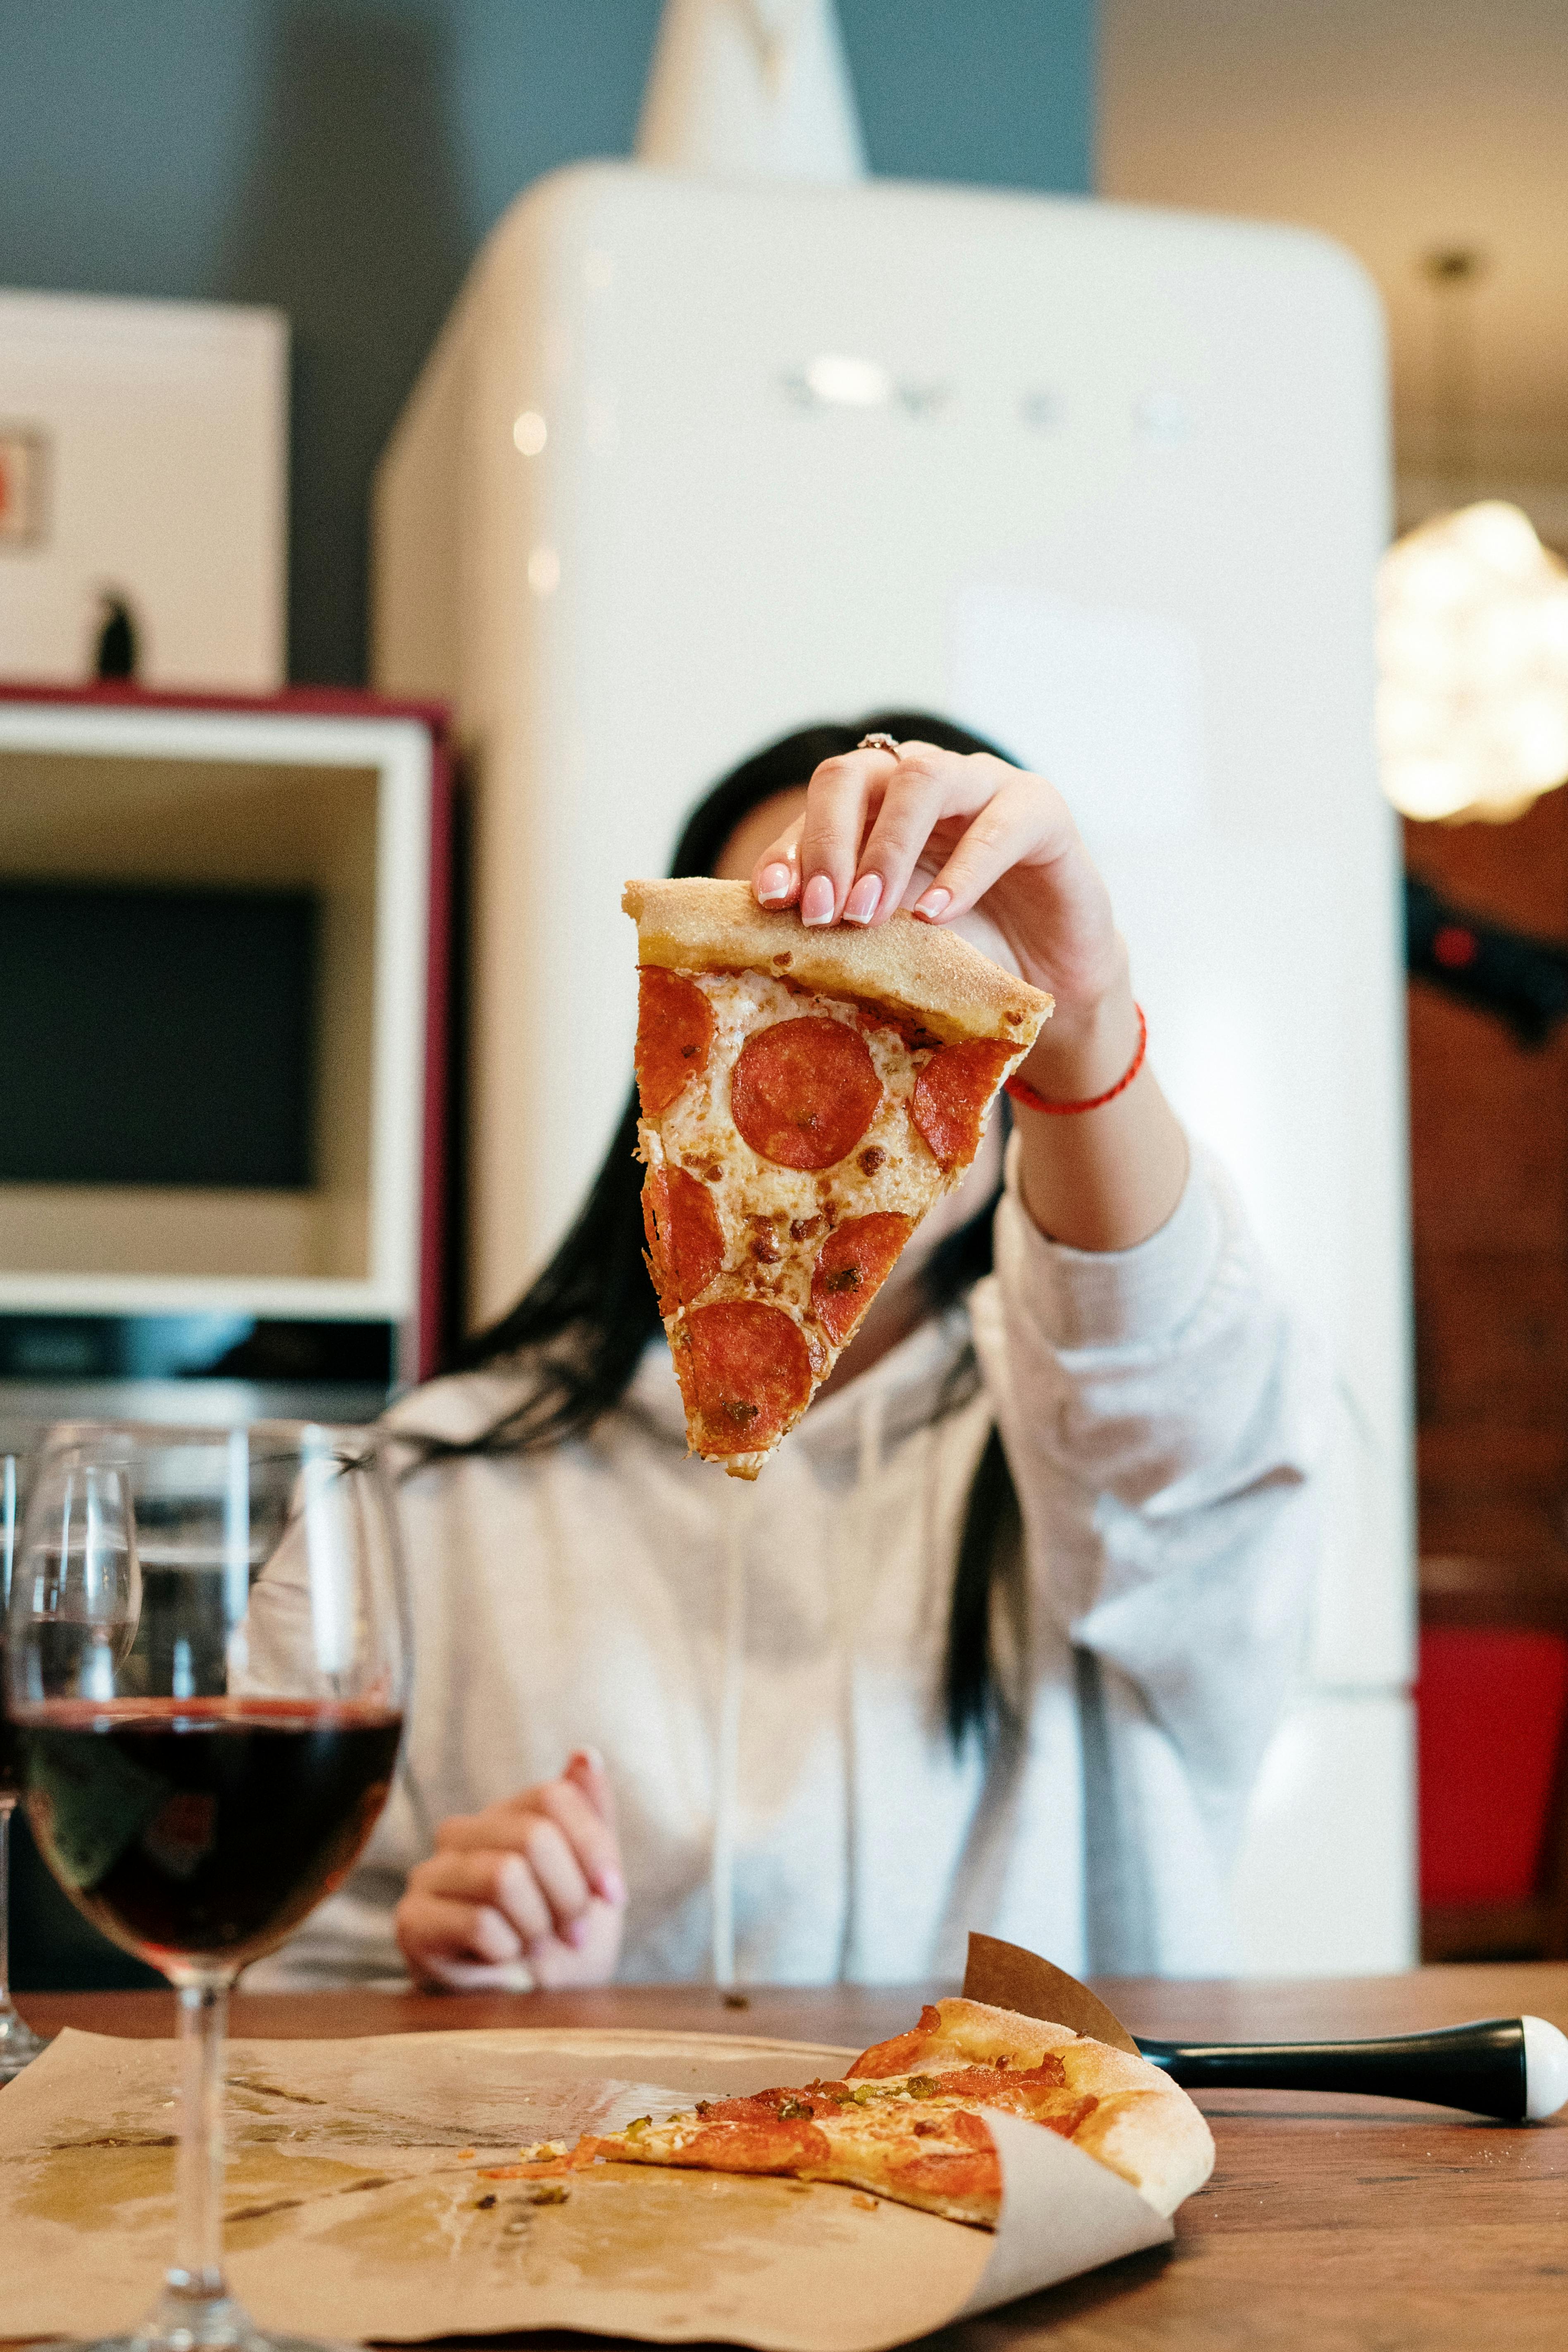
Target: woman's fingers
<point x="873" y="820"/>
<point x="558" y="1874"/>
<point x="433" y="1928"/>
<point x="585" y="1770"/>
<point x="775" y="878"/>
<point x="560" y="1835"/>
<point x="504" y="1884"/>
<point x="538" y="1876"/>
<point x="839" y="798"/>
<point x="534" y="1877"/>
<point x="589" y="1838"/>
<point x="817" y="862"/>
<point x="917" y="794"/>
<point x="1015" y="823"/>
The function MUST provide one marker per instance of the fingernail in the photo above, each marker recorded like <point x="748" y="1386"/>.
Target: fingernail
<point x="576" y="1933"/>
<point x="591" y="1756"/>
<point x="864" y="899"/>
<point x="933" y="904"/>
<point x="816" y="900"/>
<point x="773" y="885"/>
<point x="611" y="1886"/>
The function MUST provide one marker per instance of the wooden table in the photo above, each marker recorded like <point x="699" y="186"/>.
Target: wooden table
<point x="1341" y="2225"/>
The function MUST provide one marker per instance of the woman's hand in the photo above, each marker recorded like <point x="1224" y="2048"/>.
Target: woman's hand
<point x="537" y="1878"/>
<point x="939" y="833"/>
<point x="945" y="835"/>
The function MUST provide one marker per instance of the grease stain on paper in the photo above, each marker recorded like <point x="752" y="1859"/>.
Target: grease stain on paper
<point x="345" y="2158"/>
<point x="627" y="2226"/>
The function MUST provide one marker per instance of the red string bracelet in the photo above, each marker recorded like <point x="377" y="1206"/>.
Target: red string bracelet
<point x="1022" y="1091"/>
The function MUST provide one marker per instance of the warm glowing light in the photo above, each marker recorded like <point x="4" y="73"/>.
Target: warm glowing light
<point x="530" y="431"/>
<point x="1499" y="536"/>
<point x="1472" y="648"/>
<point x="853" y="383"/>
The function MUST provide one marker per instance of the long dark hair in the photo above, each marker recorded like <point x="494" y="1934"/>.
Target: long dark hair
<point x="584" y="1322"/>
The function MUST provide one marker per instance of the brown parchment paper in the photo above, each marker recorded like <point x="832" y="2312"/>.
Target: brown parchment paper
<point x="358" y="2204"/>
<point x="1008" y="1977"/>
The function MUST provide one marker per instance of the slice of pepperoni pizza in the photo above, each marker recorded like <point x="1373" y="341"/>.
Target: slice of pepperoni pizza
<point x="907" y="2120"/>
<point x="807" y="1097"/>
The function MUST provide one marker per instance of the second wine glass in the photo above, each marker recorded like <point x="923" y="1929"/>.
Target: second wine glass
<point x="20" y="2045"/>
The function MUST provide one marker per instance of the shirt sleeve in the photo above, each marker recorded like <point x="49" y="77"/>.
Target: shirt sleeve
<point x="1165" y="1414"/>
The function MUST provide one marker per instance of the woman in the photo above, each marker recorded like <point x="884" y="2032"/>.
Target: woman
<point x="997" y="1640"/>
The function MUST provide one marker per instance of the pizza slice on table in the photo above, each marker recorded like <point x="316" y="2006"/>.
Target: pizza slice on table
<point x="807" y="1097"/>
<point x="907" y="2120"/>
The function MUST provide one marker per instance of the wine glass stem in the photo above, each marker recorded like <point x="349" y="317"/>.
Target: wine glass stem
<point x="18" y="2043"/>
<point x="197" y="2270"/>
<point x="7" y="1807"/>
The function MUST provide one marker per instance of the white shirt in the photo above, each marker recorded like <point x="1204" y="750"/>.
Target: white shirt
<point x="763" y="1667"/>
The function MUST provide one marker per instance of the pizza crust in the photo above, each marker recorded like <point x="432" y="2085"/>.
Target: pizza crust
<point x="919" y="968"/>
<point x="1145" y="2126"/>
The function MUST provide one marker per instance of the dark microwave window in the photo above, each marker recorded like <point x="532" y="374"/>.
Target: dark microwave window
<point x="156" y="1037"/>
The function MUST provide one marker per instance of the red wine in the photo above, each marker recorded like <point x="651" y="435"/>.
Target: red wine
<point x="195" y="1827"/>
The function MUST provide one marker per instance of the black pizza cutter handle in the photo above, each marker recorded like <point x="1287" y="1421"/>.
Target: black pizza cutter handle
<point x="1515" y="2068"/>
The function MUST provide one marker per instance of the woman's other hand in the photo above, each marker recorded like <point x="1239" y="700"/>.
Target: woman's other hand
<point x="946" y="835"/>
<point x="536" y="1878"/>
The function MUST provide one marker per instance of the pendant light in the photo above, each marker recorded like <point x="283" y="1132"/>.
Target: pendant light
<point x="1472" y="638"/>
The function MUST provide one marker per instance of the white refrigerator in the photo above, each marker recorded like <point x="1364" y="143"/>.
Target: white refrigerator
<point x="695" y="463"/>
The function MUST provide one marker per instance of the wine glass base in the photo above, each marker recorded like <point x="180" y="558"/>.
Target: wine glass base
<point x="247" y="2338"/>
<point x="204" y="2324"/>
<point x="20" y="2045"/>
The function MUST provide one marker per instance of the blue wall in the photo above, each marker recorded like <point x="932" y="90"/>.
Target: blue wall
<point x="342" y="159"/>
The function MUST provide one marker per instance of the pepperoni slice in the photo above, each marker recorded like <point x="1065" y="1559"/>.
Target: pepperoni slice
<point x="769" y="2145"/>
<point x="675" y="1032"/>
<point x="655" y="1194"/>
<point x="903" y="2054"/>
<point x="985" y="2084"/>
<point x="803" y="1092"/>
<point x="686" y="1241"/>
<point x="750" y="1373"/>
<point x="952" y="1093"/>
<point x="787" y="2103"/>
<point x="851" y="1267"/>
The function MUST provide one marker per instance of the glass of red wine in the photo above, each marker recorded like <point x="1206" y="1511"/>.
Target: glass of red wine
<point x="20" y="2045"/>
<point x="206" y="1661"/>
